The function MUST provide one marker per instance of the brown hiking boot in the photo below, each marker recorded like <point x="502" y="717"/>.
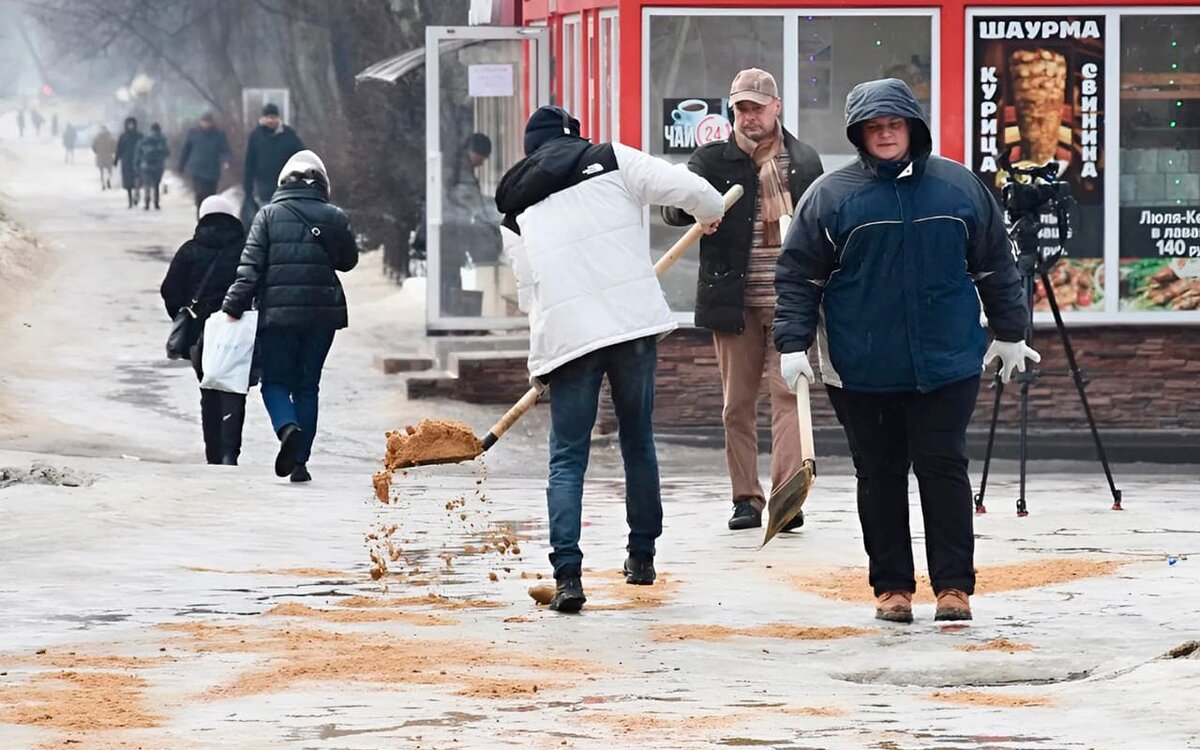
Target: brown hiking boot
<point x="952" y="604"/>
<point x="894" y="606"/>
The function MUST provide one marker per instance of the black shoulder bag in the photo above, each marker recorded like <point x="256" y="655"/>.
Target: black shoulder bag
<point x="185" y="328"/>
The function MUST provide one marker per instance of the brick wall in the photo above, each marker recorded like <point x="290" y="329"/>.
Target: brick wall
<point x="1143" y="377"/>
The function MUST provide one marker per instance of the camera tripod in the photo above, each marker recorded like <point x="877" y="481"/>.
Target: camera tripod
<point x="1030" y="263"/>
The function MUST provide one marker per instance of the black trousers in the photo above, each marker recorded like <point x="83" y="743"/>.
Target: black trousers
<point x="888" y="433"/>
<point x="203" y="187"/>
<point x="222" y="416"/>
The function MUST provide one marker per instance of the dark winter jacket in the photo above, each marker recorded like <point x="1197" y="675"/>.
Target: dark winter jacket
<point x="266" y="153"/>
<point x="725" y="254"/>
<point x="127" y="149"/>
<point x="287" y="271"/>
<point x="886" y="257"/>
<point x="203" y="153"/>
<point x="219" y="238"/>
<point x="152" y="153"/>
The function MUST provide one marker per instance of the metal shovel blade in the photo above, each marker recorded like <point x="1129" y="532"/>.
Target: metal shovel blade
<point x="787" y="500"/>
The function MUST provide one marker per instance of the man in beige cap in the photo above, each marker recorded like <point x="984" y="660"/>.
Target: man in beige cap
<point x="735" y="296"/>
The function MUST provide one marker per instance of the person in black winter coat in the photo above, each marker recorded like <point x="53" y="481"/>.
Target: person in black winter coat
<point x="884" y="269"/>
<point x="152" y="156"/>
<point x="271" y="144"/>
<point x="218" y="243"/>
<point x="205" y="153"/>
<point x="292" y="274"/>
<point x="126" y="156"/>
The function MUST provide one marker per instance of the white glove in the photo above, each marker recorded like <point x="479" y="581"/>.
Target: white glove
<point x="1012" y="356"/>
<point x="793" y="366"/>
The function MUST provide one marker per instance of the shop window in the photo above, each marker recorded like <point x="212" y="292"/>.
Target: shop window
<point x="692" y="59"/>
<point x="1160" y="163"/>
<point x="572" y="66"/>
<point x="609" y="90"/>
<point x="836" y="53"/>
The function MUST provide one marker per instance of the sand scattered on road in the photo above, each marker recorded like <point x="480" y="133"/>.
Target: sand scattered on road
<point x="850" y="584"/>
<point x="607" y="591"/>
<point x="295" y="609"/>
<point x="499" y="688"/>
<point x="992" y="700"/>
<point x="785" y="631"/>
<point x="999" y="644"/>
<point x="645" y="723"/>
<point x="79" y="700"/>
<point x="431" y="600"/>
<point x="297" y="572"/>
<point x="813" y="711"/>
<point x="302" y="655"/>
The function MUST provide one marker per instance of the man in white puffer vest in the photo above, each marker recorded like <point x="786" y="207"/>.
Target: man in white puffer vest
<point x="575" y="233"/>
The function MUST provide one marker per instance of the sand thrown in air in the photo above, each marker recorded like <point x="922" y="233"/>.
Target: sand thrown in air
<point x="999" y="644"/>
<point x="850" y="584"/>
<point x="785" y="631"/>
<point x="992" y="700"/>
<point x="78" y="700"/>
<point x="432" y="440"/>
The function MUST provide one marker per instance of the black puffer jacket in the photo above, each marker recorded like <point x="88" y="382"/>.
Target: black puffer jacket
<point x="725" y="254"/>
<point x="287" y="271"/>
<point x="219" y="239"/>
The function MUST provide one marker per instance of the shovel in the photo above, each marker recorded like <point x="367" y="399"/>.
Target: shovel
<point x="666" y="261"/>
<point x="788" y="498"/>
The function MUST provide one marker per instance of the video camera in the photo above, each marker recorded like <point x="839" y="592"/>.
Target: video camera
<point x="1042" y="192"/>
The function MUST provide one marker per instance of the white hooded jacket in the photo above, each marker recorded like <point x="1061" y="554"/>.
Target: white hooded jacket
<point x="576" y="238"/>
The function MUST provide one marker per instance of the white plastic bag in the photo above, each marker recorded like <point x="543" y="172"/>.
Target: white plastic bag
<point x="228" y="351"/>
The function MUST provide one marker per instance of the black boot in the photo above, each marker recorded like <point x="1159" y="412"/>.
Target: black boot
<point x="229" y="459"/>
<point x="300" y="474"/>
<point x="795" y="523"/>
<point x="568" y="591"/>
<point x="289" y="443"/>
<point x="639" y="570"/>
<point x="746" y="515"/>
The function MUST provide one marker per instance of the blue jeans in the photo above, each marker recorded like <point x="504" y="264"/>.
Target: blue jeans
<point x="574" y="399"/>
<point x="291" y="361"/>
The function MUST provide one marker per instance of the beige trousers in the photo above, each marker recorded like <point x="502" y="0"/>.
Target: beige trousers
<point x="744" y="359"/>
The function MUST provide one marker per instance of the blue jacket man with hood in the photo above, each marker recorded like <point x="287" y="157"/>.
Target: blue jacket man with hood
<point x="885" y="268"/>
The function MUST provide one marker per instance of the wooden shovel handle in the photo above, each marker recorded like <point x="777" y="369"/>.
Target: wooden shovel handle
<point x="692" y="234"/>
<point x="804" y="411"/>
<point x="510" y="417"/>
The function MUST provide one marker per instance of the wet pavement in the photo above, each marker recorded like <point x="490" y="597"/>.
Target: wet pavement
<point x="166" y="604"/>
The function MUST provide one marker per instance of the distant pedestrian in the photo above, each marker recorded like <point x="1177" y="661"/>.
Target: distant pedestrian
<point x="216" y="245"/>
<point x="291" y="274"/>
<point x="205" y="153"/>
<point x="21" y="122"/>
<point x="152" y="153"/>
<point x="104" y="146"/>
<point x="271" y="144"/>
<point x="126" y="156"/>
<point x="37" y="120"/>
<point x="69" y="138"/>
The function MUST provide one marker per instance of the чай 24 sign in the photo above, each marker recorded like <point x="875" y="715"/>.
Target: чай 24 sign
<point x="689" y="123"/>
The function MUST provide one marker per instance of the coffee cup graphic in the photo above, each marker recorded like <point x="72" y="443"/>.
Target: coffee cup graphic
<point x="689" y="112"/>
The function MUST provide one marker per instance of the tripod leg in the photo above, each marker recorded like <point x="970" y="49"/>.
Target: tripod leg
<point x="997" y="386"/>
<point x="1026" y="378"/>
<point x="1079" y="386"/>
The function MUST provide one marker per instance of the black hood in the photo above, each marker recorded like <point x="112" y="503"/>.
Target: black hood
<point x="538" y="176"/>
<point x="548" y="123"/>
<point x="887" y="97"/>
<point x="220" y="230"/>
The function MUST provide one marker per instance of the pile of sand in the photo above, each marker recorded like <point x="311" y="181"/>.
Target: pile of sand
<point x="431" y="441"/>
<point x="999" y="644"/>
<point x="78" y="700"/>
<point x="850" y="584"/>
<point x="295" y="609"/>
<point x="992" y="700"/>
<point x="785" y="631"/>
